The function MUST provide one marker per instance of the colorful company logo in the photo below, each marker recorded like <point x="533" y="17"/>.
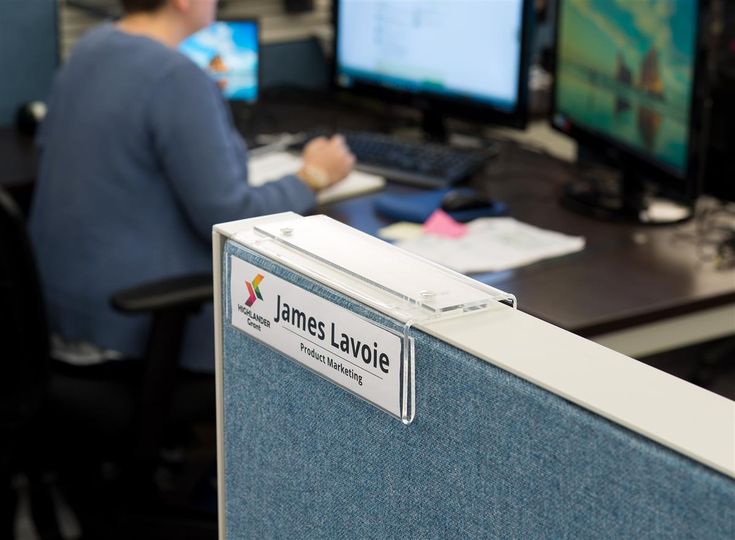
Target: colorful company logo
<point x="254" y="290"/>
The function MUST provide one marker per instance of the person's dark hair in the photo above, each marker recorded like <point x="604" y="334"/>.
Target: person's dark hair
<point x="134" y="6"/>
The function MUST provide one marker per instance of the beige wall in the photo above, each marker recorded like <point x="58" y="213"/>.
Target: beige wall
<point x="276" y="25"/>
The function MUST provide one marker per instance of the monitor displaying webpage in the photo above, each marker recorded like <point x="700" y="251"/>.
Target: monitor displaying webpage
<point x="228" y="52"/>
<point x="468" y="49"/>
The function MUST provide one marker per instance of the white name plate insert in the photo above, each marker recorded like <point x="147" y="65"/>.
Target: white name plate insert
<point x="352" y="352"/>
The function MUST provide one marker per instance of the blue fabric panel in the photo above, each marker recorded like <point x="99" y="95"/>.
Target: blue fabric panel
<point x="488" y="456"/>
<point x="28" y="53"/>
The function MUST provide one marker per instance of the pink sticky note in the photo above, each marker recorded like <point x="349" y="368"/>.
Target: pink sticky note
<point x="442" y="224"/>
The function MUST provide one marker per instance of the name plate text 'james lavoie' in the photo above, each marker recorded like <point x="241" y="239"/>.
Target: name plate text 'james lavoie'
<point x="343" y="347"/>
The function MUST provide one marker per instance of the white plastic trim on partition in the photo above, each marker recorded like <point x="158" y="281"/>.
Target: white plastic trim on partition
<point x="218" y="241"/>
<point x="672" y="333"/>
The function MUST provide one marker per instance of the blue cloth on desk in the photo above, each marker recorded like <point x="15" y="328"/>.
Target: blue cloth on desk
<point x="418" y="207"/>
<point x="139" y="158"/>
<point x="488" y="456"/>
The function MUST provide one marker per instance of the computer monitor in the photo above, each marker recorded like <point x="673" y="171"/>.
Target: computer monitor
<point x="719" y="167"/>
<point x="464" y="58"/>
<point x="228" y="52"/>
<point x="625" y="86"/>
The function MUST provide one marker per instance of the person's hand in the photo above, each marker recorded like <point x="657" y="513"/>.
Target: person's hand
<point x="326" y="162"/>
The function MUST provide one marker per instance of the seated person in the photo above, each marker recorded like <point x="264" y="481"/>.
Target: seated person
<point x="139" y="158"/>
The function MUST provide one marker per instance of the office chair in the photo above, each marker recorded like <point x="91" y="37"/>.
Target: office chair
<point x="123" y="411"/>
<point x="24" y="342"/>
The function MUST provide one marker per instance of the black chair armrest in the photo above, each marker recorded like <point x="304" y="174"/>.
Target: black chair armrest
<point x="171" y="302"/>
<point x="179" y="293"/>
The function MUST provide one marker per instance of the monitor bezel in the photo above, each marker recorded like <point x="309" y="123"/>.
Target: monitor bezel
<point x="685" y="184"/>
<point x="467" y="109"/>
<point x="258" y="74"/>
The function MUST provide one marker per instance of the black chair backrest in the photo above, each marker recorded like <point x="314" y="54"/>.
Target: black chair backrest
<point x="24" y="341"/>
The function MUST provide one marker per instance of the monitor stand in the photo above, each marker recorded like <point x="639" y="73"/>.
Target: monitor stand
<point x="621" y="196"/>
<point x="434" y="126"/>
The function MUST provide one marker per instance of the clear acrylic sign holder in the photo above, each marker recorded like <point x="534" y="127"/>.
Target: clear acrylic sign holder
<point x="405" y="287"/>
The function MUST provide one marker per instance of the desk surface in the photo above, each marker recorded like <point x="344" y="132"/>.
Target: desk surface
<point x="625" y="277"/>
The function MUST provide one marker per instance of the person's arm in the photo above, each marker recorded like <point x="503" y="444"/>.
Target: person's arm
<point x="203" y="160"/>
<point x="326" y="162"/>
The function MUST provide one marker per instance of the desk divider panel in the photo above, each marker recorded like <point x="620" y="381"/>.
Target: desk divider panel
<point x="480" y="452"/>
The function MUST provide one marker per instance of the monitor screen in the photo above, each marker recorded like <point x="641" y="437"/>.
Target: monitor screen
<point x="468" y="50"/>
<point x="625" y="73"/>
<point x="228" y="52"/>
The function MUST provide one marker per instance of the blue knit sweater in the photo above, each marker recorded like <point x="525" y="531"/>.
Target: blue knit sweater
<point x="139" y="158"/>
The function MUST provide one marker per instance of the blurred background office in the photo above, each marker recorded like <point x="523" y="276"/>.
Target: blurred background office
<point x="162" y="484"/>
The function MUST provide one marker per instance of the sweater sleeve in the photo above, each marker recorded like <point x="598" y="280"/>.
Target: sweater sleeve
<point x="203" y="158"/>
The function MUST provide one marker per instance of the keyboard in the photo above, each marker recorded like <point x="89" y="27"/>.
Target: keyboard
<point x="422" y="164"/>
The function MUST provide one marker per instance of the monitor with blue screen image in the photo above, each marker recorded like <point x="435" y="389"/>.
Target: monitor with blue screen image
<point x="626" y="83"/>
<point x="228" y="52"/>
<point x="626" y="70"/>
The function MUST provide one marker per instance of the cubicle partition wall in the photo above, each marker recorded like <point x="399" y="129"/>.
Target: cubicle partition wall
<point x="495" y="424"/>
<point x="29" y="53"/>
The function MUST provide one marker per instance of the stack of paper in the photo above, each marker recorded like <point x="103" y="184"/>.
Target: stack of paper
<point x="272" y="166"/>
<point x="493" y="244"/>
